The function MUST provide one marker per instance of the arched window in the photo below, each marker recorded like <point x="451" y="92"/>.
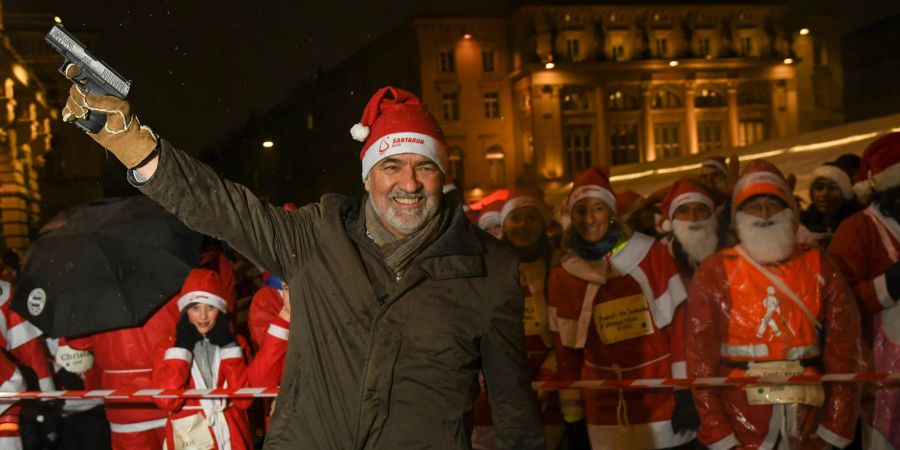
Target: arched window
<point x="710" y="97"/>
<point x="457" y="168"/>
<point x="621" y="99"/>
<point x="666" y="98"/>
<point x="577" y="141"/>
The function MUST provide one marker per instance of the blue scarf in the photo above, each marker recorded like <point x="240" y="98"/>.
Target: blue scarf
<point x="597" y="250"/>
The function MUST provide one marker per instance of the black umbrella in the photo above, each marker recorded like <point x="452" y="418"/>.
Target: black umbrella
<point x="109" y="265"/>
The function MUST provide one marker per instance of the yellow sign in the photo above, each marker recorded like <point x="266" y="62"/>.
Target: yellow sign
<point x="624" y="318"/>
<point x="807" y="394"/>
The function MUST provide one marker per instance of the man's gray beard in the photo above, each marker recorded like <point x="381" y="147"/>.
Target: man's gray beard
<point x="417" y="219"/>
<point x="698" y="239"/>
<point x="767" y="240"/>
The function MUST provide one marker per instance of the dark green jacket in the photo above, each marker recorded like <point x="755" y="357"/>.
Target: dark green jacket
<point x="373" y="362"/>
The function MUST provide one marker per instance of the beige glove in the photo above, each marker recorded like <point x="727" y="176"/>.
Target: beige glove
<point x="123" y="134"/>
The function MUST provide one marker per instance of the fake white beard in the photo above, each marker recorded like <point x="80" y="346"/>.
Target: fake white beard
<point x="698" y="239"/>
<point x="767" y="240"/>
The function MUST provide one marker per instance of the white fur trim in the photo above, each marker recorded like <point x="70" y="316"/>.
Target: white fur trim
<point x="592" y="190"/>
<point x="880" y="182"/>
<point x="46" y="384"/>
<point x="400" y="143"/>
<point x="666" y="226"/>
<point x="231" y="352"/>
<point x="179" y="353"/>
<point x="761" y="177"/>
<point x="11" y="442"/>
<point x="716" y="164"/>
<point x="690" y="197"/>
<point x="488" y="219"/>
<point x="5" y="289"/>
<point x="832" y="438"/>
<point x="279" y="332"/>
<point x="448" y="187"/>
<point x="15" y="383"/>
<point x="204" y="297"/>
<point x="21" y="334"/>
<point x="726" y="443"/>
<point x="838" y="176"/>
<point x="137" y="426"/>
<point x="881" y="292"/>
<point x="637" y="435"/>
<point x="521" y="202"/>
<point x="359" y="132"/>
<point x="679" y="369"/>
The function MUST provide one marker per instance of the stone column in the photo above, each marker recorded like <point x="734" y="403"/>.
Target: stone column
<point x="649" y="153"/>
<point x="690" y="117"/>
<point x="602" y="153"/>
<point x="731" y="90"/>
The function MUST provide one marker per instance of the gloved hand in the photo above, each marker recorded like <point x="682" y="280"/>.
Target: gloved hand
<point x="892" y="276"/>
<point x="684" y="416"/>
<point x="186" y="334"/>
<point x="123" y="134"/>
<point x="219" y="334"/>
<point x="575" y="436"/>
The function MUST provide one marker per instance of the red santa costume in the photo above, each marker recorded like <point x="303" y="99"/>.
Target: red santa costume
<point x="202" y="423"/>
<point x="637" y="278"/>
<point x="865" y="246"/>
<point x="787" y="312"/>
<point x="264" y="308"/>
<point x="124" y="360"/>
<point x="11" y="380"/>
<point x="533" y="276"/>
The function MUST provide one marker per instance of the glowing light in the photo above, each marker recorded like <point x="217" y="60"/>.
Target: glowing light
<point x="549" y="65"/>
<point x="20" y="73"/>
<point x="678" y="168"/>
<point x="833" y="143"/>
<point x="467" y="36"/>
<point x="57" y="19"/>
<point x="673" y="63"/>
<point x="788" y="60"/>
<point x="268" y="144"/>
<point x="630" y="176"/>
<point x="763" y="155"/>
<point x="804" y="31"/>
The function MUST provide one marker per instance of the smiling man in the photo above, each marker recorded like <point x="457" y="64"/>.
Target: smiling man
<point x="401" y="302"/>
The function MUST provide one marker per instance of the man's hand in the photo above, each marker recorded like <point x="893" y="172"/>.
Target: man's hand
<point x="123" y="134"/>
<point x="285" y="312"/>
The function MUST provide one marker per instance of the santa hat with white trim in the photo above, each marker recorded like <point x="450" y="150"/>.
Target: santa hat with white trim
<point x="593" y="182"/>
<point x="880" y="166"/>
<point x="203" y="286"/>
<point x="522" y="197"/>
<point x="837" y="175"/>
<point x="396" y="122"/>
<point x="682" y="192"/>
<point x="761" y="177"/>
<point x="716" y="162"/>
<point x="490" y="214"/>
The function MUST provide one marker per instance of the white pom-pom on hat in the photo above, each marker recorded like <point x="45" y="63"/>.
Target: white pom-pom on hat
<point x="359" y="132"/>
<point x="666" y="226"/>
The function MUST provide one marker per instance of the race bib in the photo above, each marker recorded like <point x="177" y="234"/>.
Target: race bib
<point x="624" y="318"/>
<point x="75" y="361"/>
<point x="807" y="394"/>
<point x="192" y="433"/>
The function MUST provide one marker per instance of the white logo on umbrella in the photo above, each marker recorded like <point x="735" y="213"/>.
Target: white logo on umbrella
<point x="37" y="298"/>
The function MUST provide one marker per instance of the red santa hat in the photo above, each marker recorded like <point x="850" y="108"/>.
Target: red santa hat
<point x="203" y="286"/>
<point x="396" y="122"/>
<point x="490" y="215"/>
<point x="834" y="173"/>
<point x="880" y="166"/>
<point x="593" y="182"/>
<point x="761" y="177"/>
<point x="628" y="202"/>
<point x="522" y="197"/>
<point x="682" y="192"/>
<point x="449" y="184"/>
<point x="290" y="206"/>
<point x="716" y="162"/>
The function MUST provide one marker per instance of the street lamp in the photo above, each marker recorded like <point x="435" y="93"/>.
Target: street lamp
<point x="673" y="63"/>
<point x="804" y="31"/>
<point x="788" y="60"/>
<point x="268" y="144"/>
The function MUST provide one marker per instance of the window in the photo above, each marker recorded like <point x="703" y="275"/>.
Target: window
<point x="623" y="141"/>
<point x="754" y="93"/>
<point x="573" y="50"/>
<point x="667" y="139"/>
<point x="574" y="99"/>
<point x="820" y="55"/>
<point x="666" y="98"/>
<point x="709" y="98"/>
<point x="620" y="100"/>
<point x="703" y="48"/>
<point x="448" y="61"/>
<point x="492" y="105"/>
<point x="709" y="136"/>
<point x="819" y="93"/>
<point x="487" y="60"/>
<point x="496" y="171"/>
<point x="577" y="141"/>
<point x="751" y="132"/>
<point x="662" y="48"/>
<point x="618" y="52"/>
<point x="450" y="106"/>
<point x="746" y="46"/>
<point x="457" y="170"/>
<point x="310" y="122"/>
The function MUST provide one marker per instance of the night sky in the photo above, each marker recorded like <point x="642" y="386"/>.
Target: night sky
<point x="200" y="68"/>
